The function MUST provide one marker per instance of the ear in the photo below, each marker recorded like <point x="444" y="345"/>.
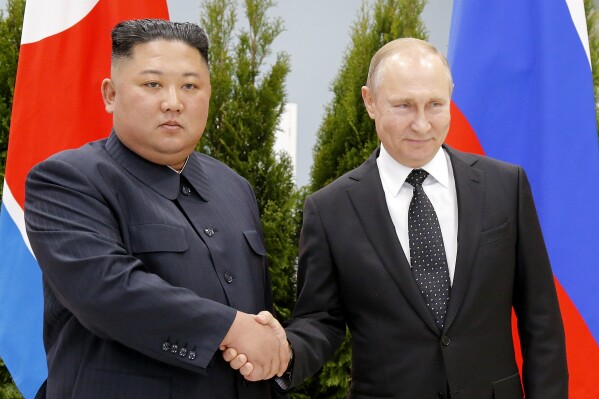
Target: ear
<point x="368" y="101"/>
<point x="108" y="95"/>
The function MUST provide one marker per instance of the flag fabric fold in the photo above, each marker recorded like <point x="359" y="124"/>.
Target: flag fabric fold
<point x="524" y="91"/>
<point x="64" y="55"/>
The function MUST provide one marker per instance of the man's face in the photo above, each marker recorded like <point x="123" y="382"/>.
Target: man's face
<point x="159" y="100"/>
<point x="410" y="106"/>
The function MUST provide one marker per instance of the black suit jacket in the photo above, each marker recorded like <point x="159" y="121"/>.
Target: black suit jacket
<point x="352" y="270"/>
<point x="143" y="270"/>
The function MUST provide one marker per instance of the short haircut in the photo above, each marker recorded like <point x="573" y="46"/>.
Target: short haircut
<point x="397" y="46"/>
<point x="127" y="34"/>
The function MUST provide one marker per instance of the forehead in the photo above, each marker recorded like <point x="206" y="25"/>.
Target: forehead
<point x="165" y="53"/>
<point x="419" y="72"/>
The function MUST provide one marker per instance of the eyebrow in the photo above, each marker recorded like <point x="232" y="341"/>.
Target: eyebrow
<point x="401" y="100"/>
<point x="411" y="100"/>
<point x="157" y="72"/>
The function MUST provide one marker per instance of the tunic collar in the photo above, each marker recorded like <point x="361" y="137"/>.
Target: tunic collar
<point x="159" y="178"/>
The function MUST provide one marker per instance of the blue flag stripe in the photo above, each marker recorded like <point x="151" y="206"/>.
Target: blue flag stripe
<point x="20" y="329"/>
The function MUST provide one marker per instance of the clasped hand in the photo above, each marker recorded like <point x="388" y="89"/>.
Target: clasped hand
<point x="257" y="346"/>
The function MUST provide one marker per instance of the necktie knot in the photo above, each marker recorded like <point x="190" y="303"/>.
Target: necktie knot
<point x="416" y="177"/>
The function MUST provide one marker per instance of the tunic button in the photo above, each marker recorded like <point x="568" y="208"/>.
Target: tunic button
<point x="445" y="340"/>
<point x="228" y="277"/>
<point x="185" y="190"/>
<point x="209" y="231"/>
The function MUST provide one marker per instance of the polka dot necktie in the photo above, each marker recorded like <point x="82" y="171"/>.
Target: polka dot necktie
<point x="427" y="253"/>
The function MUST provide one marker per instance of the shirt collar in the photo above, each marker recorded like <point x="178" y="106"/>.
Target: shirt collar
<point x="393" y="174"/>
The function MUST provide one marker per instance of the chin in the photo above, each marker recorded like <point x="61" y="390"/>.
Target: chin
<point x="420" y="161"/>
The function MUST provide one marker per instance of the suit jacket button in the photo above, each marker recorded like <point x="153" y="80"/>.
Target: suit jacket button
<point x="174" y="348"/>
<point x="228" y="277"/>
<point x="192" y="355"/>
<point x="445" y="340"/>
<point x="185" y="190"/>
<point x="166" y="346"/>
<point x="183" y="352"/>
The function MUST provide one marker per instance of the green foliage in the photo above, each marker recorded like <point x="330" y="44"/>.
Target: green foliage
<point x="590" y="8"/>
<point x="8" y="390"/>
<point x="347" y="136"/>
<point x="10" y="39"/>
<point x="248" y="98"/>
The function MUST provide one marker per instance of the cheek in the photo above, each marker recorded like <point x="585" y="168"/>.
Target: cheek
<point x="199" y="108"/>
<point x="136" y="105"/>
<point x="441" y="118"/>
<point x="441" y="124"/>
<point x="392" y="125"/>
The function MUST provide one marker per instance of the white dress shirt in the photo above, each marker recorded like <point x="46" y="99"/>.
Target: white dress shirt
<point x="439" y="186"/>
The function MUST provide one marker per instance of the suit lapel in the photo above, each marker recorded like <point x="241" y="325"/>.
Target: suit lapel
<point x="368" y="200"/>
<point x="469" y="183"/>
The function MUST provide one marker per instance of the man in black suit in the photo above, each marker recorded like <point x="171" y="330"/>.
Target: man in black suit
<point x="152" y="254"/>
<point x="419" y="332"/>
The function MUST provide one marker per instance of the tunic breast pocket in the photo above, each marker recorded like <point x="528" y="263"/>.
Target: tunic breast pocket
<point x="146" y="238"/>
<point x="255" y="241"/>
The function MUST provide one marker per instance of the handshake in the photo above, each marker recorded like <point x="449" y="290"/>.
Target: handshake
<point x="257" y="346"/>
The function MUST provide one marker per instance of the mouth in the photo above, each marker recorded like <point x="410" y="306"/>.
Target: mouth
<point x="171" y="125"/>
<point x="419" y="141"/>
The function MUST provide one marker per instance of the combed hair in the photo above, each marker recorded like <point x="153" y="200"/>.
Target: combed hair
<point x="127" y="34"/>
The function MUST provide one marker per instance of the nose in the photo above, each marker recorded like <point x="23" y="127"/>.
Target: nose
<point x="172" y="101"/>
<point x="420" y="124"/>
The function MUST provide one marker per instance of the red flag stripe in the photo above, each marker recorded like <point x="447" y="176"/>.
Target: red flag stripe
<point x="461" y="136"/>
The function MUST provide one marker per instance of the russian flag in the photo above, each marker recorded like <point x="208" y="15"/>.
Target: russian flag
<point x="64" y="55"/>
<point x="524" y="94"/>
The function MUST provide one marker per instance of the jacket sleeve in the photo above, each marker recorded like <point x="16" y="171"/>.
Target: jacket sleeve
<point x="540" y="326"/>
<point x="318" y="327"/>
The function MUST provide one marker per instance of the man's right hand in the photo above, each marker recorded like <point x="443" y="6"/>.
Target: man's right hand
<point x="261" y="345"/>
<point x="238" y="359"/>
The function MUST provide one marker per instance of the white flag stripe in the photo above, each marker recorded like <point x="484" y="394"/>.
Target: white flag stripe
<point x="576" y="8"/>
<point x="44" y="18"/>
<point x="16" y="214"/>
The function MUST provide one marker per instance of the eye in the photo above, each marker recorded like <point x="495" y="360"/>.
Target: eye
<point x="401" y="105"/>
<point x="190" y="86"/>
<point x="152" y="84"/>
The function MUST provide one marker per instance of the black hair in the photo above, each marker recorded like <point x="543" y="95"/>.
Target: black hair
<point x="127" y="34"/>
